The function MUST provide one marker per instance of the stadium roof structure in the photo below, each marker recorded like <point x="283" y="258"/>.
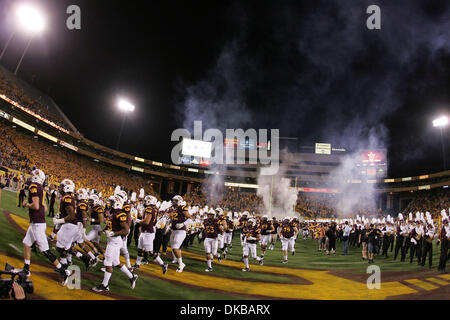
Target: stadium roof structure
<point x="37" y="95"/>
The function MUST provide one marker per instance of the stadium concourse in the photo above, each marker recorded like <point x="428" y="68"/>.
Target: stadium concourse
<point x="108" y="214"/>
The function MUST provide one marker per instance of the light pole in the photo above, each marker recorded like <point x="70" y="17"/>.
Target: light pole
<point x="126" y="108"/>
<point x="6" y="46"/>
<point x="442" y="122"/>
<point x="29" y="20"/>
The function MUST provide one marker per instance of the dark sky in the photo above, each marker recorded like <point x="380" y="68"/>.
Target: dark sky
<point x="310" y="68"/>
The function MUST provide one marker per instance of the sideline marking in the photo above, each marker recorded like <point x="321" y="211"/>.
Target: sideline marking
<point x="421" y="284"/>
<point x="438" y="281"/>
<point x="14" y="247"/>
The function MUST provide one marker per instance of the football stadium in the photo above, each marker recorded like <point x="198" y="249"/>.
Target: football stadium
<point x="325" y="205"/>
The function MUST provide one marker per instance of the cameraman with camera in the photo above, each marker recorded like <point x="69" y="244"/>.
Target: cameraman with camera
<point x="373" y="234"/>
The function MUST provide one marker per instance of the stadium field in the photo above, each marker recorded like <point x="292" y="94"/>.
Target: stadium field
<point x="308" y="275"/>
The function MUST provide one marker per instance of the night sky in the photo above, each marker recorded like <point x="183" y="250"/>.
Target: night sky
<point x="310" y="68"/>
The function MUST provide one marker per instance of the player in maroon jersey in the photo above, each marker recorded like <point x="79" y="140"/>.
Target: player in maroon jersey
<point x="274" y="234"/>
<point x="178" y="215"/>
<point x="228" y="234"/>
<point x="85" y="254"/>
<point x="288" y="234"/>
<point x="266" y="233"/>
<point x="127" y="209"/>
<point x="68" y="232"/>
<point x="212" y="228"/>
<point x="96" y="218"/>
<point x="36" y="231"/>
<point x="242" y="224"/>
<point x="220" y="236"/>
<point x="147" y="236"/>
<point x="116" y="230"/>
<point x="252" y="234"/>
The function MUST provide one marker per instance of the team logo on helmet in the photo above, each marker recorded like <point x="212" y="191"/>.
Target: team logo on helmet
<point x="37" y="176"/>
<point x="117" y="202"/>
<point x="150" y="201"/>
<point x="67" y="186"/>
<point x="82" y="194"/>
<point x="177" y="200"/>
<point x="122" y="194"/>
<point x="95" y="199"/>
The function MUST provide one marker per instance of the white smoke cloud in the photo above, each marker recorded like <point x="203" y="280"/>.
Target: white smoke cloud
<point x="278" y="197"/>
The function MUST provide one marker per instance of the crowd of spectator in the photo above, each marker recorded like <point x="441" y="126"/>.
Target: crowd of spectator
<point x="10" y="155"/>
<point x="232" y="199"/>
<point x="312" y="206"/>
<point x="424" y="201"/>
<point x="16" y="93"/>
<point x="23" y="151"/>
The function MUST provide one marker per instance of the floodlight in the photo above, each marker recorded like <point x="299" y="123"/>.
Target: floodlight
<point x="440" y="122"/>
<point x="30" y="19"/>
<point x="125" y="106"/>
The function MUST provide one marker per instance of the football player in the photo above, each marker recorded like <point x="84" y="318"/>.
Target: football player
<point x="127" y="209"/>
<point x="36" y="231"/>
<point x="274" y="234"/>
<point x="296" y="224"/>
<point x="252" y="234"/>
<point x="117" y="228"/>
<point x="242" y="225"/>
<point x="96" y="219"/>
<point x="228" y="235"/>
<point x="87" y="256"/>
<point x="148" y="224"/>
<point x="212" y="228"/>
<point x="68" y="231"/>
<point x="178" y="215"/>
<point x="220" y="236"/>
<point x="288" y="234"/>
<point x="266" y="233"/>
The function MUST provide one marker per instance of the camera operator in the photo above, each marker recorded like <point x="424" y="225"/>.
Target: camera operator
<point x="373" y="235"/>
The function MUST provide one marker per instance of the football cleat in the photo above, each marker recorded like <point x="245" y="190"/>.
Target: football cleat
<point x="180" y="268"/>
<point x="144" y="262"/>
<point x="87" y="262"/>
<point x="293" y="253"/>
<point x="164" y="268"/>
<point x="65" y="275"/>
<point x="133" y="281"/>
<point x="246" y="269"/>
<point x="94" y="262"/>
<point x="261" y="262"/>
<point x="219" y="258"/>
<point x="208" y="269"/>
<point x="100" y="288"/>
<point x="135" y="266"/>
<point x="224" y="256"/>
<point x="285" y="261"/>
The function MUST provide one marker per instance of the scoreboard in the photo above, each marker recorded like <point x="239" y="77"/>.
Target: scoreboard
<point x="372" y="163"/>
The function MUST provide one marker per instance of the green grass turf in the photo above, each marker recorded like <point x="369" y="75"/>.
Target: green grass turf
<point x="306" y="256"/>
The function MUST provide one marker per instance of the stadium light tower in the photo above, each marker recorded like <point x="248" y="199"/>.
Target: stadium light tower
<point x="32" y="22"/>
<point x="442" y="122"/>
<point x="126" y="107"/>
